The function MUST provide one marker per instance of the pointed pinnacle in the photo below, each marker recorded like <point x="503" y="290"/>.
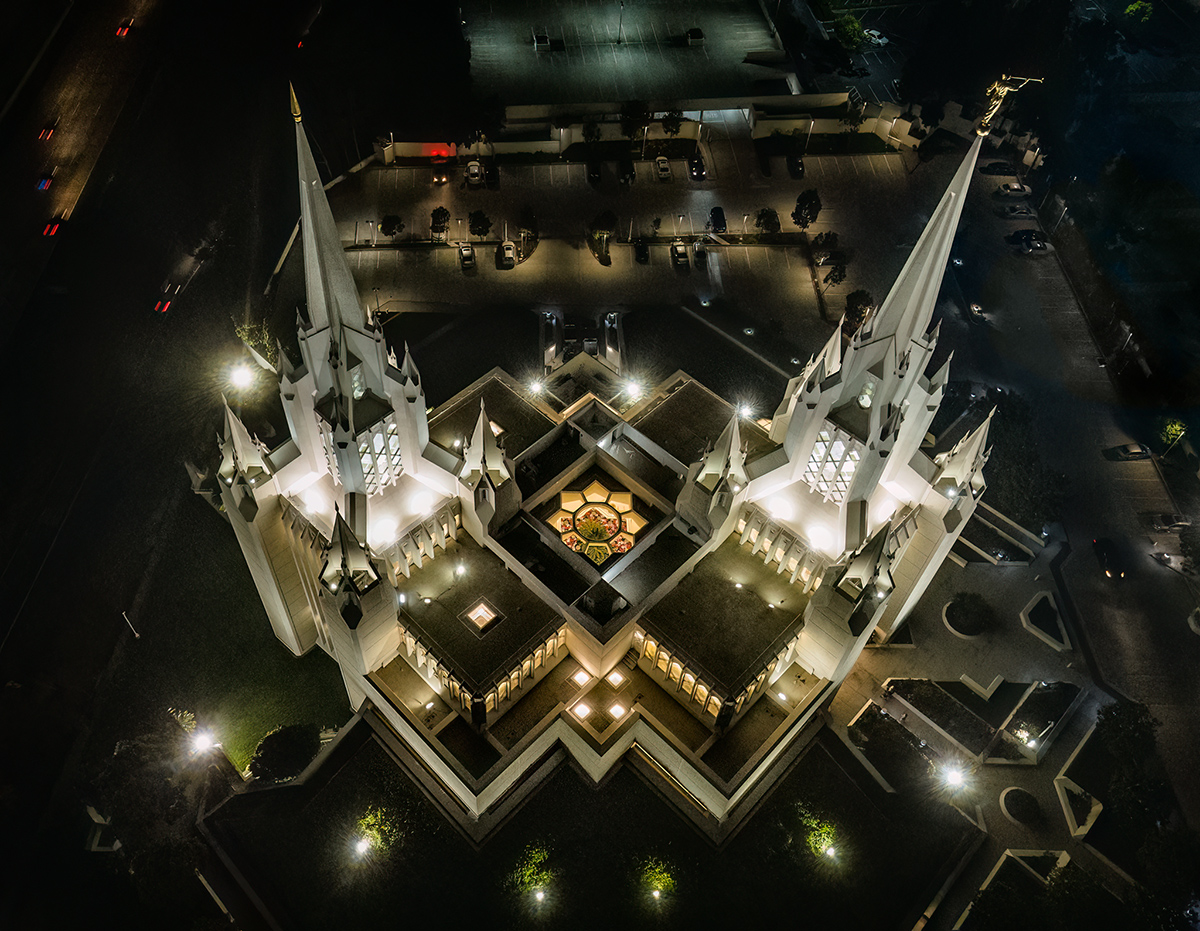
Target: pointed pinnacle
<point x="295" y="104"/>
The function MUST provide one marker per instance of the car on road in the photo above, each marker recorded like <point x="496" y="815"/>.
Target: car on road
<point x="593" y="172"/>
<point x="1131" y="452"/>
<point x="1111" y="563"/>
<point x="716" y="220"/>
<point x="875" y="38"/>
<point x="466" y="255"/>
<point x="976" y="314"/>
<point x="641" y="251"/>
<point x="696" y="167"/>
<point x="679" y="253"/>
<point x="1025" y="235"/>
<point x="1171" y="523"/>
<point x="1015" y="189"/>
<point x="508" y="253"/>
<point x="441" y="172"/>
<point x="44" y="182"/>
<point x="48" y="129"/>
<point x="663" y="167"/>
<point x="124" y="26"/>
<point x="169" y="291"/>
<point x="795" y="166"/>
<point x="1017" y="211"/>
<point x="997" y="168"/>
<point x="52" y="225"/>
<point x="474" y="173"/>
<point x="1035" y="247"/>
<point x="626" y="170"/>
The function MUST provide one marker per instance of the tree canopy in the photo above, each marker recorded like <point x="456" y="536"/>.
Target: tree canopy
<point x="808" y="208"/>
<point x="479" y="223"/>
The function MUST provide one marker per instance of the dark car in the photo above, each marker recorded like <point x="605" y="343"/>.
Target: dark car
<point x="1109" y="558"/>
<point x="594" y="172"/>
<point x="1131" y="451"/>
<point x="641" y="251"/>
<point x="626" y="169"/>
<point x="795" y="166"/>
<point x="1029" y="235"/>
<point x="1171" y="523"/>
<point x="491" y="175"/>
<point x="48" y="129"/>
<point x="997" y="168"/>
<point x="696" y="167"/>
<point x="679" y="253"/>
<point x="716" y="220"/>
<point x="441" y="171"/>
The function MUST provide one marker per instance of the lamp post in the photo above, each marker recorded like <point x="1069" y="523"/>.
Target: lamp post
<point x="745" y="217"/>
<point x="460" y="219"/>
<point x="679" y="224"/>
<point x="620" y="22"/>
<point x="371" y="223"/>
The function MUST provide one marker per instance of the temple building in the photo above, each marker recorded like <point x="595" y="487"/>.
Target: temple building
<point x="579" y="568"/>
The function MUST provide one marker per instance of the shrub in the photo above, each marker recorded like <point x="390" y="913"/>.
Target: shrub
<point x="284" y="752"/>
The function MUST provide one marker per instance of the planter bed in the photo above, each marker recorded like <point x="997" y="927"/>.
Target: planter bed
<point x="992" y="543"/>
<point x="891" y="748"/>
<point x="995" y="710"/>
<point x="947" y="713"/>
<point x="1044" y="616"/>
<point x="1042" y="709"/>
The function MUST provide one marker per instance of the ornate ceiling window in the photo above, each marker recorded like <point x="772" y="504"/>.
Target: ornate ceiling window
<point x="597" y="522"/>
<point x="831" y="466"/>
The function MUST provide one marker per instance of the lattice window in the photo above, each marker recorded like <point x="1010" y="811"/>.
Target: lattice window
<point x="832" y="465"/>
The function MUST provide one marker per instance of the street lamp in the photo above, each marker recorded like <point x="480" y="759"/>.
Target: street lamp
<point x="620" y="22"/>
<point x="460" y="219"/>
<point x="241" y="376"/>
<point x="679" y="224"/>
<point x="371" y="223"/>
<point x="745" y="217"/>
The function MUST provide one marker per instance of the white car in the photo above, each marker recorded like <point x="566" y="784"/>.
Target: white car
<point x="466" y="255"/>
<point x="875" y="37"/>
<point x="508" y="254"/>
<point x="663" y="167"/>
<point x="1015" y="189"/>
<point x="474" y="173"/>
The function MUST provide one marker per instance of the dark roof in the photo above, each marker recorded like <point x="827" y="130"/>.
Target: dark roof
<point x="727" y="632"/>
<point x="476" y="658"/>
<point x="523" y="423"/>
<point x="691" y="417"/>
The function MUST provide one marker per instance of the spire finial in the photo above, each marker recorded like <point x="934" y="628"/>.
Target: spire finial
<point x="295" y="103"/>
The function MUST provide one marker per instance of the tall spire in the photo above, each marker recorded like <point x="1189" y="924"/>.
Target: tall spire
<point x="725" y="458"/>
<point x="328" y="284"/>
<point x="484" y="456"/>
<point x="906" y="311"/>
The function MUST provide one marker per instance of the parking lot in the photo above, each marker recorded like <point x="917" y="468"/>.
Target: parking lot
<point x="586" y="62"/>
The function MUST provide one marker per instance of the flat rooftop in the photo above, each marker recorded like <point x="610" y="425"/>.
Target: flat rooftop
<point x="725" y="629"/>
<point x="691" y="417"/>
<point x="443" y="625"/>
<point x="521" y="422"/>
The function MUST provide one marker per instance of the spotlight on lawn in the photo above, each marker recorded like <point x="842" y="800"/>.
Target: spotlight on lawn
<point x="634" y="389"/>
<point x="745" y="411"/>
<point x="241" y="376"/>
<point x="831" y="852"/>
<point x="362" y="846"/>
<point x="954" y="778"/>
<point x="202" y="742"/>
<point x="540" y="895"/>
<point x="535" y="387"/>
<point x="657" y="893"/>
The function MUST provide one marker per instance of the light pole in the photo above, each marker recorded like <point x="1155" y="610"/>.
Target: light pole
<point x="460" y="219"/>
<point x="376" y="290"/>
<point x="679" y="224"/>
<point x="620" y="22"/>
<point x="745" y="217"/>
<point x="371" y="223"/>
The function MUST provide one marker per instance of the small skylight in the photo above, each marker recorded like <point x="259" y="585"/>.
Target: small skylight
<point x="581" y="710"/>
<point x="582" y="678"/>
<point x="615" y="679"/>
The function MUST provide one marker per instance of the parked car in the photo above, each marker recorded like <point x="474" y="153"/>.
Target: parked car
<point x="491" y="175"/>
<point x="875" y="38"/>
<point x="508" y="253"/>
<point x="716" y="220"/>
<point x="795" y="166"/>
<point x="593" y="169"/>
<point x="1035" y="247"/>
<point x="699" y="253"/>
<point x="474" y="173"/>
<point x="1015" y="189"/>
<point x="626" y="170"/>
<point x="641" y="251"/>
<point x="997" y="168"/>
<point x="679" y="253"/>
<point x="663" y="166"/>
<point x="1111" y="563"/>
<point x="1133" y="451"/>
<point x="1171" y="523"/>
<point x="1017" y="211"/>
<point x="466" y="255"/>
<point x="696" y="167"/>
<point x="1025" y="235"/>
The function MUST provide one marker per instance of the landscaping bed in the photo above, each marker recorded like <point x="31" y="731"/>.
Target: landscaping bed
<point x="994" y="710"/>
<point x="1042" y="709"/>
<point x="1044" y="616"/>
<point x="992" y="542"/>
<point x="891" y="748"/>
<point x="946" y="712"/>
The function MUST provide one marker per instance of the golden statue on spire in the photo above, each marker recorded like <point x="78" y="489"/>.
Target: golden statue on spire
<point x="996" y="94"/>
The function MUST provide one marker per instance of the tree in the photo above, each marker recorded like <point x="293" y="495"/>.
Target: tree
<point x="591" y="132"/>
<point x="1126" y="728"/>
<point x="1170" y="432"/>
<point x="285" y="751"/>
<point x="1189" y="544"/>
<point x="635" y="116"/>
<point x="672" y="122"/>
<point x="808" y="208"/>
<point x="835" y="276"/>
<point x="1141" y="10"/>
<point x="849" y="30"/>
<point x="439" y="219"/>
<point x="528" y="223"/>
<point x="767" y="221"/>
<point x="823" y="245"/>
<point x="391" y="225"/>
<point x="479" y="223"/>
<point x="857" y="304"/>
